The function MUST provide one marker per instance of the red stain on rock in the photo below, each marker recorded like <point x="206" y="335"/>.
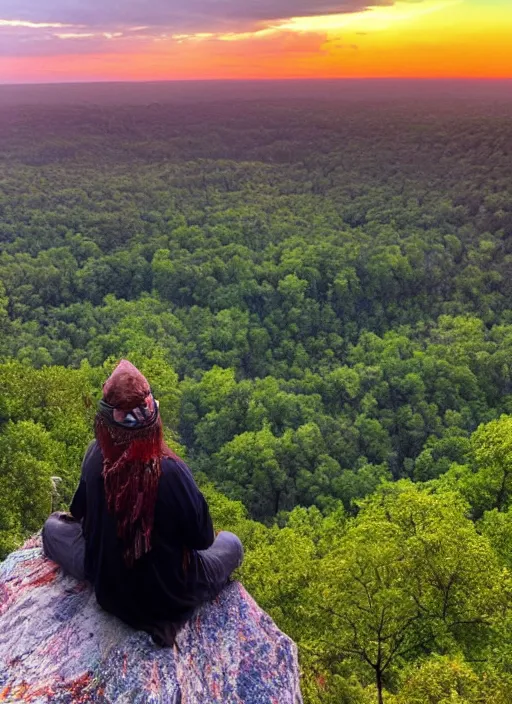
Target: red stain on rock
<point x="5" y="693"/>
<point x="47" y="577"/>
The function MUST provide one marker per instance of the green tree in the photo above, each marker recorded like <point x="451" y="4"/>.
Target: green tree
<point x="28" y="459"/>
<point x="404" y="580"/>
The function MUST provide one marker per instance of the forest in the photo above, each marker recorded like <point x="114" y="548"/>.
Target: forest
<point x="320" y="293"/>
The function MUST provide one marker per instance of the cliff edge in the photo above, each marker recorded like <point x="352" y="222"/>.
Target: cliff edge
<point x="57" y="645"/>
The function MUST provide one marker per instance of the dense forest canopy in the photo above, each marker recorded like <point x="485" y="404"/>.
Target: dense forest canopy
<point x="319" y="291"/>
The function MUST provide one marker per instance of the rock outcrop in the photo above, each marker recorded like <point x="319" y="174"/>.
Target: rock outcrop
<point x="57" y="645"/>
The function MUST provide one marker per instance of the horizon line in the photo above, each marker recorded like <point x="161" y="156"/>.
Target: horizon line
<point x="320" y="79"/>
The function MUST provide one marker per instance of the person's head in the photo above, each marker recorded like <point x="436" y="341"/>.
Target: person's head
<point x="128" y="401"/>
<point x="129" y="431"/>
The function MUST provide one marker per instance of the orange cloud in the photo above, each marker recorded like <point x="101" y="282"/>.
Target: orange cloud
<point x="427" y="39"/>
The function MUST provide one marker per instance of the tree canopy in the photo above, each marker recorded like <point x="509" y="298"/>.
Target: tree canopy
<point x="319" y="294"/>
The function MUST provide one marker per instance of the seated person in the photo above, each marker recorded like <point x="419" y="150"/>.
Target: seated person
<point x="140" y="530"/>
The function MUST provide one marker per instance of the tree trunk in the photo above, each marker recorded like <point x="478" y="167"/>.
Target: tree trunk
<point x="380" y="695"/>
<point x="277" y="501"/>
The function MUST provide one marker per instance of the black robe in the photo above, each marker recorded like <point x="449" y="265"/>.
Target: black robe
<point x="161" y="586"/>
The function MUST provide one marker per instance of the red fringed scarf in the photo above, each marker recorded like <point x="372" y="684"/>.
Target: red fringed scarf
<point x="131" y="459"/>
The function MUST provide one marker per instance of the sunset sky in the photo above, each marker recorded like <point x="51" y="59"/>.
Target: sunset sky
<point x="91" y="40"/>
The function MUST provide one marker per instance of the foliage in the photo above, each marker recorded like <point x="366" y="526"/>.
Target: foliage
<point x="319" y="295"/>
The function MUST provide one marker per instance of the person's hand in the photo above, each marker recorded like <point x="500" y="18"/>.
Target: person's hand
<point x="66" y="517"/>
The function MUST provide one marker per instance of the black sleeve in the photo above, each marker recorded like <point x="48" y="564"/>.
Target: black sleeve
<point x="77" y="508"/>
<point x="180" y="494"/>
